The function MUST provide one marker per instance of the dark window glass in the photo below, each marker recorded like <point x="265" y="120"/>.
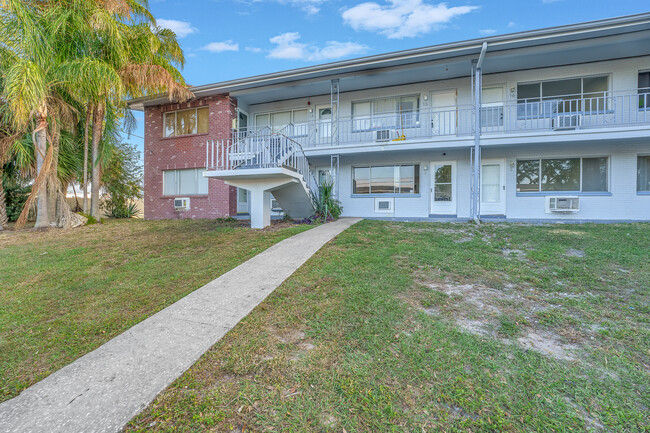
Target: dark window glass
<point x="644" y="90"/>
<point x="643" y="174"/>
<point x="528" y="176"/>
<point x="594" y="174"/>
<point x="561" y="174"/>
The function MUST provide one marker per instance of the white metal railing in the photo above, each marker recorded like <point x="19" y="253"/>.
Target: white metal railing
<point x="600" y="110"/>
<point x="261" y="149"/>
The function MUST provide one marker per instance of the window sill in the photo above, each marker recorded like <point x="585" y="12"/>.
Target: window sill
<point x="167" y="197"/>
<point x="186" y="136"/>
<point x="562" y="193"/>
<point x="643" y="193"/>
<point x="385" y="195"/>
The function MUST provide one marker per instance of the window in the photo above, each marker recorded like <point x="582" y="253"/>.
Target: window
<point x="385" y="113"/>
<point x="562" y="174"/>
<point x="643" y="174"/>
<point x="185" y="122"/>
<point x="386" y="179"/>
<point x="492" y="107"/>
<point x="644" y="90"/>
<point x="185" y="182"/>
<point x="280" y="119"/>
<point x="573" y="95"/>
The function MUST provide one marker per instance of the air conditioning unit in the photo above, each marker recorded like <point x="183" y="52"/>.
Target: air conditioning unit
<point x="562" y="204"/>
<point x="382" y="135"/>
<point x="182" y="203"/>
<point x="566" y="121"/>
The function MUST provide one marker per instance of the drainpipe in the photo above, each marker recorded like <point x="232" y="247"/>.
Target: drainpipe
<point x="478" y="85"/>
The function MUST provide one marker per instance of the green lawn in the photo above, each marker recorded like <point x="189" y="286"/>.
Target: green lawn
<point x="421" y="327"/>
<point x="63" y="294"/>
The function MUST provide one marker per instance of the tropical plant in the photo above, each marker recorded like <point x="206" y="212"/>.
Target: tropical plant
<point x="122" y="181"/>
<point x="327" y="206"/>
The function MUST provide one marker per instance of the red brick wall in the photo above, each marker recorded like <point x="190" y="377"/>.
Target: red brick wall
<point x="186" y="152"/>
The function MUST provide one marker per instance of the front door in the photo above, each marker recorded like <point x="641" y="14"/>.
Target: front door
<point x="443" y="188"/>
<point x="493" y="187"/>
<point x="324" y="123"/>
<point x="242" y="201"/>
<point x="443" y="113"/>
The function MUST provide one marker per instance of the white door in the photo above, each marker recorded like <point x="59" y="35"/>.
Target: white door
<point x="324" y="123"/>
<point x="443" y="188"/>
<point x="492" y="109"/>
<point x="443" y="113"/>
<point x="242" y="201"/>
<point x="493" y="187"/>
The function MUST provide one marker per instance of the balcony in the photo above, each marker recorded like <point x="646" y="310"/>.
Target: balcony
<point x="541" y="115"/>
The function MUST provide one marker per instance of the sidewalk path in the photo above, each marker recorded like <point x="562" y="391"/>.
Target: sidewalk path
<point x="104" y="389"/>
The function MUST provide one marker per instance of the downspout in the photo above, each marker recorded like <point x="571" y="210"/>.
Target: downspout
<point x="478" y="85"/>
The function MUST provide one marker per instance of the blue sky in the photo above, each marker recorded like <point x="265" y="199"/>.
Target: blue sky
<point x="227" y="39"/>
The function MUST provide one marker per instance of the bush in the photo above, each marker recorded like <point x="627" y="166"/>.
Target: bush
<point x="15" y="197"/>
<point x="123" y="211"/>
<point x="122" y="180"/>
<point x="328" y="208"/>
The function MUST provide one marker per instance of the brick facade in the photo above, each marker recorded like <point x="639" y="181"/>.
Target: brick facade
<point x="172" y="153"/>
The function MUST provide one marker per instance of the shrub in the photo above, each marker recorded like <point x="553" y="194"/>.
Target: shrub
<point x="123" y="211"/>
<point x="327" y="207"/>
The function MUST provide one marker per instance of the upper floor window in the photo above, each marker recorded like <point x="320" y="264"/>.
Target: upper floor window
<point x="571" y="95"/>
<point x="386" y="179"/>
<point x="185" y="182"/>
<point x="186" y="122"/>
<point x="644" y="90"/>
<point x="643" y="174"/>
<point x="562" y="174"/>
<point x="280" y="119"/>
<point x="389" y="113"/>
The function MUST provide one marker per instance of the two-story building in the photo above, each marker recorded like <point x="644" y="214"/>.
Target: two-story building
<point x="550" y="124"/>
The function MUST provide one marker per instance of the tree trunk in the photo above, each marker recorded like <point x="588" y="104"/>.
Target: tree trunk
<point x="98" y="123"/>
<point x="42" y="219"/>
<point x="3" y="205"/>
<point x="89" y="113"/>
<point x="54" y="186"/>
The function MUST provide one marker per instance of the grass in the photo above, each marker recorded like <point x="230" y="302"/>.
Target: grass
<point x="360" y="338"/>
<point x="63" y="294"/>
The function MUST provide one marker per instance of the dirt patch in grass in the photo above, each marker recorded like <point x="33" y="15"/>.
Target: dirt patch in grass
<point x="502" y="314"/>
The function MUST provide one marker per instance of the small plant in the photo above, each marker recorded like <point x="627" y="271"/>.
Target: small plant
<point x="328" y="208"/>
<point x="90" y="219"/>
<point x="128" y="211"/>
<point x="227" y="220"/>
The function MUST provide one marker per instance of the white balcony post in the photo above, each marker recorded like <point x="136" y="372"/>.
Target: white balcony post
<point x="260" y="208"/>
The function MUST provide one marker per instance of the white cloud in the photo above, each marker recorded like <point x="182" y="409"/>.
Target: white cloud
<point x="253" y="49"/>
<point x="402" y="18"/>
<point x="310" y="7"/>
<point x="288" y="47"/>
<point x="487" y="31"/>
<point x="181" y="28"/>
<point x="511" y="24"/>
<point x="218" y="47"/>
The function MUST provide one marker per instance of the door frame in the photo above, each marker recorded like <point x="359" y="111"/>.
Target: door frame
<point x="247" y="202"/>
<point x="451" y="207"/>
<point x="494" y="208"/>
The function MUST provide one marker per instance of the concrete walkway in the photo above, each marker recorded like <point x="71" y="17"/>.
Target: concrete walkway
<point x="103" y="390"/>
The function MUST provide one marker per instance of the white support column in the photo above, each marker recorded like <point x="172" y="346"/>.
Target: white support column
<point x="334" y="101"/>
<point x="260" y="208"/>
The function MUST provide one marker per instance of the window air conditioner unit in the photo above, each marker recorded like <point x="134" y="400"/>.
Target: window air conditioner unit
<point x="566" y="121"/>
<point x="382" y="135"/>
<point x="182" y="203"/>
<point x="562" y="204"/>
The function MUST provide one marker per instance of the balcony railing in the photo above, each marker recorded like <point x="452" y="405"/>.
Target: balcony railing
<point x="561" y="113"/>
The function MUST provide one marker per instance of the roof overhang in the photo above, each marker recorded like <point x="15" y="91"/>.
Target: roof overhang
<point x="608" y="39"/>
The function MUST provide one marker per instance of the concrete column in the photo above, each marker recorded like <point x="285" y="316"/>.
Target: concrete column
<point x="260" y="208"/>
